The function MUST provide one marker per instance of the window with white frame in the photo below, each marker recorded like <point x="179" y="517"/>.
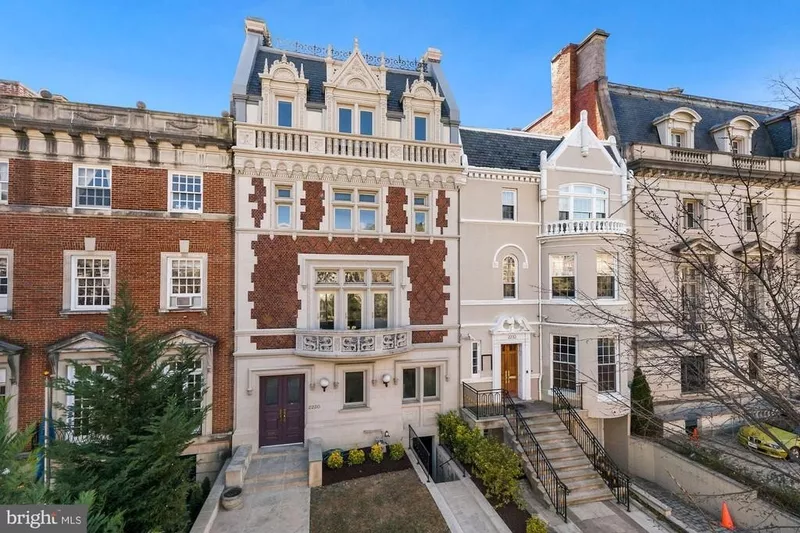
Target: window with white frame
<point x="285" y="113"/>
<point x="692" y="213"/>
<point x="509" y="277"/>
<point x="3" y="182"/>
<point x="509" y="204"/>
<point x="678" y="138"/>
<point x="185" y="282"/>
<point x="345" y="120"/>
<point x="606" y="365"/>
<point x="753" y="216"/>
<point x="79" y="409"/>
<point x="736" y="145"/>
<point x="692" y="295"/>
<point x="355" y="388"/>
<point x="355" y="298"/>
<point x="91" y="280"/>
<point x="93" y="187"/>
<point x="284" y="201"/>
<point x="5" y="281"/>
<point x="580" y="202"/>
<point x="564" y="362"/>
<point x="186" y="193"/>
<point x="421" y="211"/>
<point x="355" y="119"/>
<point x="606" y="279"/>
<point x="562" y="276"/>
<point x="355" y="203"/>
<point x="365" y="122"/>
<point x="421" y="381"/>
<point x="476" y="357"/>
<point x="193" y="385"/>
<point x="420" y="128"/>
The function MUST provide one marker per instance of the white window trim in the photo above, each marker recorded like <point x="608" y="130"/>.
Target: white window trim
<point x="574" y="276"/>
<point x="399" y="311"/>
<point x="355" y="206"/>
<point x="699" y="216"/>
<point x="69" y="288"/>
<point x="355" y="118"/>
<point x="166" y="279"/>
<point x="567" y="191"/>
<point x="427" y="209"/>
<point x="7" y="301"/>
<point x="475" y="364"/>
<point x="682" y="134"/>
<point x="609" y="394"/>
<point x="170" y="192"/>
<point x="615" y="273"/>
<point x="8" y="178"/>
<point x="577" y="359"/>
<point x="367" y="290"/>
<point x="427" y="118"/>
<point x="364" y="369"/>
<point x="513" y="204"/>
<point x="290" y="101"/>
<point x="75" y="205"/>
<point x="420" y="388"/>
<point x="276" y="201"/>
<point x="759" y="217"/>
<point x="516" y="276"/>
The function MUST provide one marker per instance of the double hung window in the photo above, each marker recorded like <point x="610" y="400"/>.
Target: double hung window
<point x="421" y="211"/>
<point x="606" y="365"/>
<point x="562" y="276"/>
<point x="186" y="193"/>
<point x="564" y="362"/>
<point x="361" y="205"/>
<point x="93" y="187"/>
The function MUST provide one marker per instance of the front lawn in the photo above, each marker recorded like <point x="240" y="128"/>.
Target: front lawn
<point x="393" y="501"/>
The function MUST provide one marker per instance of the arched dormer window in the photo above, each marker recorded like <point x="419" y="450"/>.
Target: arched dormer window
<point x="580" y="202"/>
<point x="736" y="135"/>
<point x="509" y="277"/>
<point x="676" y="128"/>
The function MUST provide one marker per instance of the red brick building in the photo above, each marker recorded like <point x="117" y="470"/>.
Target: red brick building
<point x="94" y="196"/>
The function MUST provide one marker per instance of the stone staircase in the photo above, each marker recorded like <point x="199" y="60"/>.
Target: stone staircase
<point x="568" y="460"/>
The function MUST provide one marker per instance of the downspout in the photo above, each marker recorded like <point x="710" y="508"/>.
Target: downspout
<point x="542" y="199"/>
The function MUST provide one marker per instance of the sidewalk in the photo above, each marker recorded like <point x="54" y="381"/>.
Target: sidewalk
<point x="694" y="518"/>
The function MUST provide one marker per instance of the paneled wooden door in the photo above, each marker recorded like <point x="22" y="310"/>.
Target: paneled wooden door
<point x="509" y="368"/>
<point x="281" y="410"/>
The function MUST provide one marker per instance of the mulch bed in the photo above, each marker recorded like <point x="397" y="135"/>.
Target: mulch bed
<point x="367" y="468"/>
<point x="514" y="517"/>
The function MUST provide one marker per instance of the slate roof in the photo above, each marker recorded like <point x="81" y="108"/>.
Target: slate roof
<point x="636" y="108"/>
<point x="512" y="150"/>
<point x="316" y="73"/>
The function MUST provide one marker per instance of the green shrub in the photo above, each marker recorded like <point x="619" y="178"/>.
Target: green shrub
<point x="643" y="420"/>
<point x="376" y="453"/>
<point x="355" y="457"/>
<point x="396" y="451"/>
<point x="447" y="424"/>
<point x="499" y="468"/>
<point x="335" y="460"/>
<point x="535" y="525"/>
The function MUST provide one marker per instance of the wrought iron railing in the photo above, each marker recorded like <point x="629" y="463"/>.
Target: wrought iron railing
<point x="574" y="395"/>
<point x="420" y="450"/>
<point x="617" y="480"/>
<point x="375" y="60"/>
<point x="555" y="488"/>
<point x="482" y="403"/>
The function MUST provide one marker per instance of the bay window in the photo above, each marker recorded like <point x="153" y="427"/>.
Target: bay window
<point x="355" y="298"/>
<point x="579" y="202"/>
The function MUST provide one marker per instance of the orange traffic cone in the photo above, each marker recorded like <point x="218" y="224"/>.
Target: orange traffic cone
<point x="695" y="435"/>
<point x="726" y="520"/>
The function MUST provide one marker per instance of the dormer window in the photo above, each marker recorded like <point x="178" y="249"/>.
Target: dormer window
<point x="285" y="113"/>
<point x="736" y="135"/>
<point x="735" y="146"/>
<point x="347" y="124"/>
<point x="420" y="128"/>
<point x="676" y="128"/>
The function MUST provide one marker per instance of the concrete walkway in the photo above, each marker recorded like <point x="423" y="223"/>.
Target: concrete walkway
<point x="276" y="495"/>
<point x="688" y="515"/>
<point x="471" y="510"/>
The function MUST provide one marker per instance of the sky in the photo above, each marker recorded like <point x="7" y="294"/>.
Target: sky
<point x="178" y="55"/>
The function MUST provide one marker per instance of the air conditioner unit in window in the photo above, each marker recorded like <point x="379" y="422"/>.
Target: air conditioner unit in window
<point x="183" y="301"/>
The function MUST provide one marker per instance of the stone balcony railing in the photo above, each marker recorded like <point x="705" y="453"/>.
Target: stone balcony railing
<point x="346" y="146"/>
<point x="353" y="344"/>
<point x="587" y="226"/>
<point x="704" y="158"/>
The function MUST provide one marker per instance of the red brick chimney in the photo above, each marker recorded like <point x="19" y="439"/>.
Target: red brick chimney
<point x="15" y="88"/>
<point x="574" y="75"/>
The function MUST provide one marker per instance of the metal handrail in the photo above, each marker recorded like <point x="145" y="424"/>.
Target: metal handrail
<point x="453" y="460"/>
<point x="556" y="489"/>
<point x="415" y="444"/>
<point x="482" y="403"/>
<point x="616" y="479"/>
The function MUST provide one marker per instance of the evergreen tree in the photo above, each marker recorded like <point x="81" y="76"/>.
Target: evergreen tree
<point x="129" y="423"/>
<point x="643" y="420"/>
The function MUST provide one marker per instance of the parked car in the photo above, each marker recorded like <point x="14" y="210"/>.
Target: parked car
<point x="756" y="438"/>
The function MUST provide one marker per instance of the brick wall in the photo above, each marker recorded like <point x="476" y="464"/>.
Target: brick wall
<point x="275" y="301"/>
<point x="314" y="203"/>
<point x="259" y="198"/>
<point x="443" y="206"/>
<point x="138" y="242"/>
<point x="396" y="216"/>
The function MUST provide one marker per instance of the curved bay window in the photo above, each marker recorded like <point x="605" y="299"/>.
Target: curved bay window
<point x="354" y="298"/>
<point x="509" y="277"/>
<point x="579" y="202"/>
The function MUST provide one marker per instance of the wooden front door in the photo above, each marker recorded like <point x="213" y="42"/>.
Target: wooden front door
<point x="509" y="368"/>
<point x="281" y="410"/>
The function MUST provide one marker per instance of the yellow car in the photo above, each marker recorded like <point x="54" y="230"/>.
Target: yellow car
<point x="757" y="439"/>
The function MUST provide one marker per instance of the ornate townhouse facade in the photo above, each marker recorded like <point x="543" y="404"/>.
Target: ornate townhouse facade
<point x="347" y="177"/>
<point x="725" y="172"/>
<point x="93" y="196"/>
<point x="542" y="223"/>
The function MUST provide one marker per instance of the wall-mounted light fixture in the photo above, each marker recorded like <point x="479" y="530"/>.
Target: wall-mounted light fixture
<point x="324" y="383"/>
<point x="386" y="379"/>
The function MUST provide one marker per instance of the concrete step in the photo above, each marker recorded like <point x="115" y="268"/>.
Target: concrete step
<point x="587" y="496"/>
<point x="576" y="474"/>
<point x="557" y="444"/>
<point x="548" y="432"/>
<point x="569" y="453"/>
<point x="570" y="463"/>
<point x="591" y="483"/>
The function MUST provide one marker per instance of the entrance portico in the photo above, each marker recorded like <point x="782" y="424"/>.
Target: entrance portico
<point x="511" y="338"/>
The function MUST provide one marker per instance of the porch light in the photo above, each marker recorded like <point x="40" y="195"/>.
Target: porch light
<point x="386" y="379"/>
<point x="324" y="383"/>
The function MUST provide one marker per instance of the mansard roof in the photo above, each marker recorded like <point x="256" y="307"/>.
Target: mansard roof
<point x="315" y="71"/>
<point x="636" y="108"/>
<point x="512" y="150"/>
